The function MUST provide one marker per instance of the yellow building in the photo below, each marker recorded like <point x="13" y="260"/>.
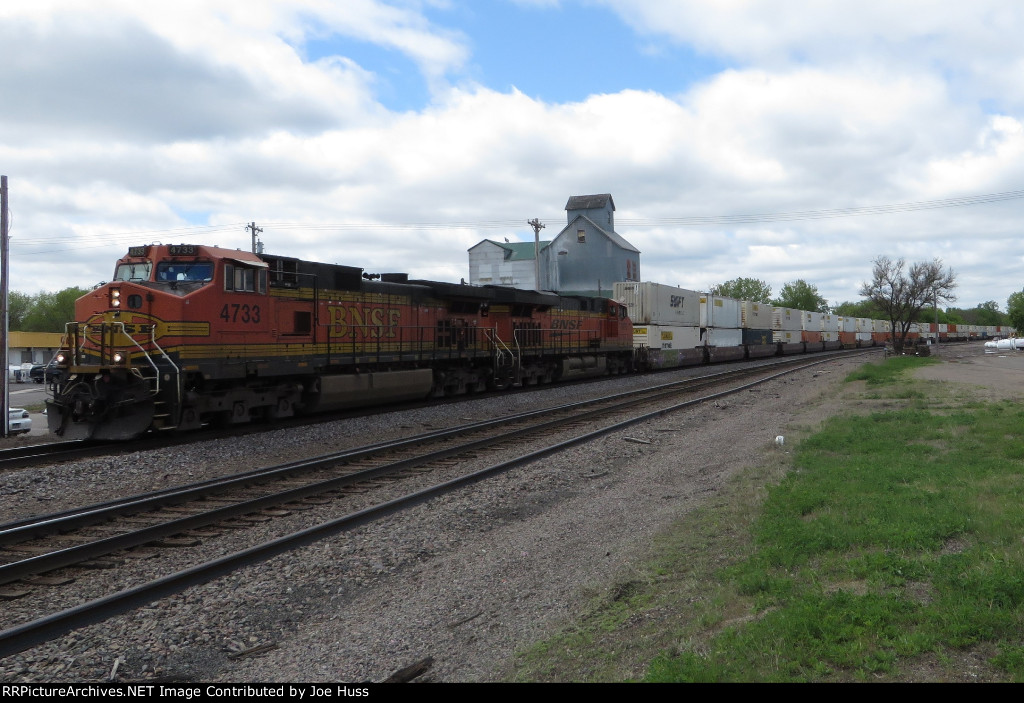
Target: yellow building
<point x="32" y="347"/>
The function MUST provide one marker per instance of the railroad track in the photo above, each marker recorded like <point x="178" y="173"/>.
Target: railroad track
<point x="37" y="454"/>
<point x="51" y="453"/>
<point x="172" y="517"/>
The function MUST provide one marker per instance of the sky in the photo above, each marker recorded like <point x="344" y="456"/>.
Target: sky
<point x="394" y="135"/>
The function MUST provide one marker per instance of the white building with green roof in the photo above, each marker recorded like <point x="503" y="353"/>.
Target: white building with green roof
<point x="504" y="264"/>
<point x="586" y="258"/>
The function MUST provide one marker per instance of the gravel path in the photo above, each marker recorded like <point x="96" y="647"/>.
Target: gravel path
<point x="465" y="579"/>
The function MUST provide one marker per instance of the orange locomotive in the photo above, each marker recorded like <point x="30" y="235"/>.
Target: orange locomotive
<point x="187" y="335"/>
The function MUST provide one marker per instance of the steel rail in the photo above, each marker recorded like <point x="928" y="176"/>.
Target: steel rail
<point x="29" y="634"/>
<point x="17" y="531"/>
<point x="69" y="556"/>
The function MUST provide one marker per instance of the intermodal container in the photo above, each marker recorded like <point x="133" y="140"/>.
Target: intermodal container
<point x="756" y="316"/>
<point x="716" y="311"/>
<point x="656" y="304"/>
<point x="846" y="324"/>
<point x="758" y="336"/>
<point x="811" y="321"/>
<point x="788" y="319"/>
<point x="666" y="336"/>
<point x="787" y="336"/>
<point x="720" y="337"/>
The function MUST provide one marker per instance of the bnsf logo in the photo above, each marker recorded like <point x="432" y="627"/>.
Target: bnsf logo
<point x="676" y="301"/>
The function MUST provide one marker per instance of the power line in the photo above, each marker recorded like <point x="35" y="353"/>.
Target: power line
<point x="516" y="223"/>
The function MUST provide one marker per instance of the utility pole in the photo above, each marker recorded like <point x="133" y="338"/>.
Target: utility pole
<point x="255" y="230"/>
<point x="537" y="227"/>
<point x="4" y="270"/>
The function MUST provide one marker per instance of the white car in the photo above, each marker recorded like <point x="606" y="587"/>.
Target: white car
<point x="18" y="421"/>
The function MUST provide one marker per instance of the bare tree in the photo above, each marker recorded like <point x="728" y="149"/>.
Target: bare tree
<point x="901" y="296"/>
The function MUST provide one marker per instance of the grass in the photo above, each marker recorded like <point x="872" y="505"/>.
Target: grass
<point x="890" y="550"/>
<point x="888" y="373"/>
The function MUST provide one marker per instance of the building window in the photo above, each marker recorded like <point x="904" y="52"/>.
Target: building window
<point x="581" y="236"/>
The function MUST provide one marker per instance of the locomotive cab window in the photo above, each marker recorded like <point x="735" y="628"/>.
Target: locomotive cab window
<point x="243" y="279"/>
<point x="134" y="271"/>
<point x="168" y="271"/>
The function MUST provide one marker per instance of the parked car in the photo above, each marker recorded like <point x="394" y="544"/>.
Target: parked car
<point x="41" y="373"/>
<point x="18" y="421"/>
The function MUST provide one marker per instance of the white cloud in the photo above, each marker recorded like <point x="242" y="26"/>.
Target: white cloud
<point x="135" y="117"/>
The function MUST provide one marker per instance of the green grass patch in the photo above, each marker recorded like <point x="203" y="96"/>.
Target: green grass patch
<point x="888" y="547"/>
<point x="886" y="374"/>
<point x="897" y="539"/>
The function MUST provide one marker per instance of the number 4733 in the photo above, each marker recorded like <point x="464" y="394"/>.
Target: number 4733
<point x="240" y="312"/>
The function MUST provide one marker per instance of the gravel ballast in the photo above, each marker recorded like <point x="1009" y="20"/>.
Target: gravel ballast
<point x="466" y="579"/>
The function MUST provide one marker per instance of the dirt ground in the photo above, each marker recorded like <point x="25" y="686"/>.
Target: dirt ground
<point x="996" y="375"/>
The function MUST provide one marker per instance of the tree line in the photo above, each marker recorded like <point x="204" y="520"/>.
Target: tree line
<point x="44" y="311"/>
<point x="798" y="294"/>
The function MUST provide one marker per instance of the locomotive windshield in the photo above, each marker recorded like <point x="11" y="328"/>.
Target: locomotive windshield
<point x="184" y="271"/>
<point x="133" y="272"/>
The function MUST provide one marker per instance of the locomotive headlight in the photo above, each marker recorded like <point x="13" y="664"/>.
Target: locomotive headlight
<point x="118" y="357"/>
<point x="115" y="297"/>
<point x="60" y="358"/>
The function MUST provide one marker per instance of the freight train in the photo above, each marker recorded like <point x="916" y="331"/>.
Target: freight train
<point x="189" y="335"/>
<point x="678" y="327"/>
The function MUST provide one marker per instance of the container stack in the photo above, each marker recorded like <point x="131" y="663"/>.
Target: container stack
<point x="865" y="326"/>
<point x="829" y="327"/>
<point x="787" y="324"/>
<point x="719" y="313"/>
<point x="881" y="331"/>
<point x="811" y="327"/>
<point x="756" y="321"/>
<point x="666" y="322"/>
<point x="847" y="330"/>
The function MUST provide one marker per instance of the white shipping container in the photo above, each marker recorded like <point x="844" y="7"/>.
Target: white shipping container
<point x="881" y="326"/>
<point x="722" y="337"/>
<point x="755" y="316"/>
<point x="865" y="324"/>
<point x="787" y="319"/>
<point x="653" y="303"/>
<point x="846" y="324"/>
<point x="811" y="321"/>
<point x="666" y="337"/>
<point x="829" y="323"/>
<point x="716" y="311"/>
<point x="787" y="336"/>
<point x="830" y="336"/>
<point x="864" y="336"/>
